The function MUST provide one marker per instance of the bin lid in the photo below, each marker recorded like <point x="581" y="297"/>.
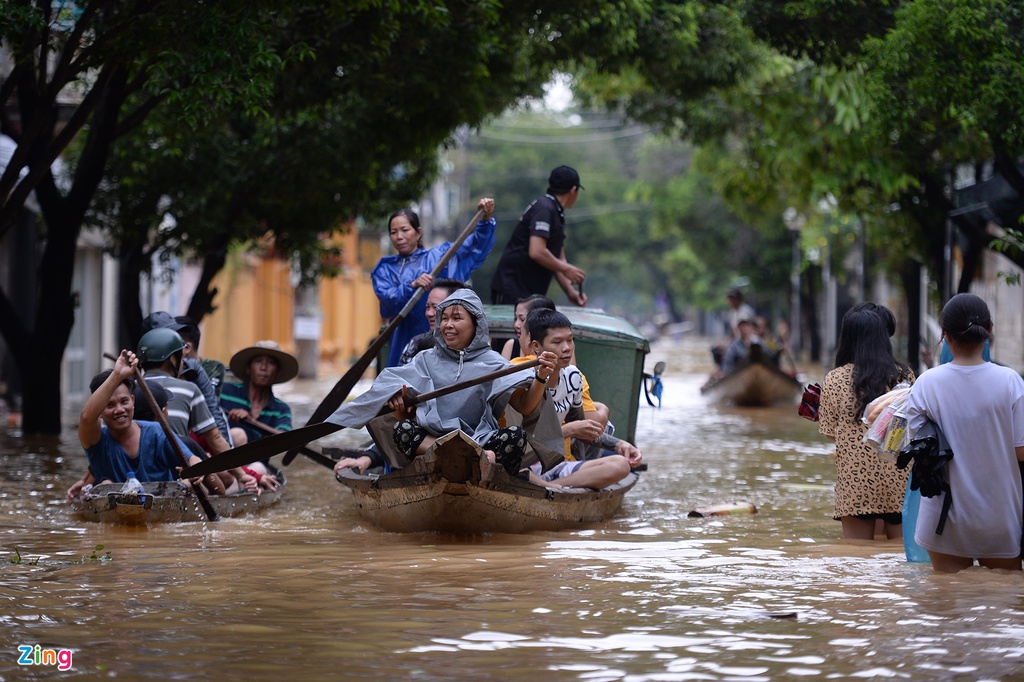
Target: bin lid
<point x="587" y="324"/>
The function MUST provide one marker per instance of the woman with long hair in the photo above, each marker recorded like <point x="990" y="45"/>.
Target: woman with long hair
<point x="869" y="487"/>
<point x="979" y="407"/>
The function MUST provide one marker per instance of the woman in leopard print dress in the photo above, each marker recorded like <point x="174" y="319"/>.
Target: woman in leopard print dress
<point x="869" y="487"/>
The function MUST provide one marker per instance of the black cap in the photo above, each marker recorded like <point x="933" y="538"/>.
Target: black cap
<point x="161" y="319"/>
<point x="563" y="179"/>
<point x="143" y="411"/>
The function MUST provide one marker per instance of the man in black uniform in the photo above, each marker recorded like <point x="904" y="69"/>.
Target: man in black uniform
<point x="536" y="252"/>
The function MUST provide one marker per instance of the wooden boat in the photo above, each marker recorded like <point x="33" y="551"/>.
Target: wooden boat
<point x="165" y="502"/>
<point x="758" y="382"/>
<point x="454" y="488"/>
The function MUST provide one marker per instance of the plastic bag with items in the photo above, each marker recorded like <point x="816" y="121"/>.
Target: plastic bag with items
<point x="887" y="425"/>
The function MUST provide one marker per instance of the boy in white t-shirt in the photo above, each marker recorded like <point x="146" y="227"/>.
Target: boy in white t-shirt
<point x="552" y="331"/>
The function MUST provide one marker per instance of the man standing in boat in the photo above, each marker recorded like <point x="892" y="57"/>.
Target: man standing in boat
<point x="536" y="250"/>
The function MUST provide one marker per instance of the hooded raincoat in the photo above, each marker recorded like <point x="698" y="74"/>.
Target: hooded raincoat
<point x="393" y="275"/>
<point x="474" y="411"/>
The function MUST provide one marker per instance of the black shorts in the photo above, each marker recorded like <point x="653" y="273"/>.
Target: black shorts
<point x="892" y="519"/>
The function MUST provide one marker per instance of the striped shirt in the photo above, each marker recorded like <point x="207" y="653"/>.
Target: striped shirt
<point x="187" y="410"/>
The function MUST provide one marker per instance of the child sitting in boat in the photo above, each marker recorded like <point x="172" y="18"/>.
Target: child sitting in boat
<point x="517" y="350"/>
<point x="551" y="332"/>
<point x="120" y="444"/>
<point x="462" y="351"/>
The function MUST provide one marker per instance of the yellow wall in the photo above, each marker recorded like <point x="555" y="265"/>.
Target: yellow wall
<point x="255" y="300"/>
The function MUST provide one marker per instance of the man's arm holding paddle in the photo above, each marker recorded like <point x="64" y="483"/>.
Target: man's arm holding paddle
<point x="525" y="401"/>
<point x="567" y="276"/>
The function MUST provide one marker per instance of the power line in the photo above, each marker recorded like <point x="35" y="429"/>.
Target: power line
<point x="634" y="131"/>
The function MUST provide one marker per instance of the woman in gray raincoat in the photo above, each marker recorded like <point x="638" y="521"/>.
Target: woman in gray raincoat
<point x="461" y="351"/>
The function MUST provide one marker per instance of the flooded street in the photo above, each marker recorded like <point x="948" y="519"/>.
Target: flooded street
<point x="306" y="589"/>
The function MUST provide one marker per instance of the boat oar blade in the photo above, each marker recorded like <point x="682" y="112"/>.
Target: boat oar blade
<point x="261" y="449"/>
<point x="348" y="381"/>
<point x="312" y="453"/>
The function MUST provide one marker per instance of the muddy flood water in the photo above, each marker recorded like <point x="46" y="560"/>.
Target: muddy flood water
<point x="304" y="590"/>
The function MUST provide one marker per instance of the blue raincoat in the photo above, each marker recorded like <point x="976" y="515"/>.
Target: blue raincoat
<point x="394" y="274"/>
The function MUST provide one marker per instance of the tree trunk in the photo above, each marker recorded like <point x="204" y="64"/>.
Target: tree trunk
<point x="55" y="312"/>
<point x="134" y="260"/>
<point x="911" y="276"/>
<point x="202" y="298"/>
<point x="55" y="315"/>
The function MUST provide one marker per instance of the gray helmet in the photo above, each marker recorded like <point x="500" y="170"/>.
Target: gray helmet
<point x="158" y="344"/>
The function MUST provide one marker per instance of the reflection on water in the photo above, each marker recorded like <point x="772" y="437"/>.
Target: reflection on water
<point x="650" y="595"/>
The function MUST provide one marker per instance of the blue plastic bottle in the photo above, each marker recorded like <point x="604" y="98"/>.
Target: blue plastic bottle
<point x="911" y="503"/>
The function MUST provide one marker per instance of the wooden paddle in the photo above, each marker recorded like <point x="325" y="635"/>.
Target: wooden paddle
<point x="158" y="413"/>
<point x="287" y="440"/>
<point x="344" y="386"/>
<point x="315" y="455"/>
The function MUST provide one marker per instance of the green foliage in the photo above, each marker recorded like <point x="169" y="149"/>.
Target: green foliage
<point x="18" y="560"/>
<point x="104" y="558"/>
<point x="352" y="129"/>
<point x="856" y="112"/>
<point x="95" y="556"/>
<point x="646" y="228"/>
<point x="953" y="73"/>
<point x="1012" y="242"/>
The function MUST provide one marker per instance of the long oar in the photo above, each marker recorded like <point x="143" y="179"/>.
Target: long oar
<point x="345" y="384"/>
<point x="315" y="455"/>
<point x="287" y="440"/>
<point x="158" y="413"/>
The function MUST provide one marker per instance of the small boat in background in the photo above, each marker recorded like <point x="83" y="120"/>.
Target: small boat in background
<point x="757" y="382"/>
<point x="165" y="502"/>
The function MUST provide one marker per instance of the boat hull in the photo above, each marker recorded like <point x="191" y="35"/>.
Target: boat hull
<point x="165" y="502"/>
<point x="453" y="488"/>
<point x="756" y="384"/>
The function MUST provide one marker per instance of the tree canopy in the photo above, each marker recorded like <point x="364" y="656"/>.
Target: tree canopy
<point x="150" y="94"/>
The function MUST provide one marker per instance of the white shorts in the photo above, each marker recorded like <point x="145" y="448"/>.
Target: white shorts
<point x="560" y="470"/>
